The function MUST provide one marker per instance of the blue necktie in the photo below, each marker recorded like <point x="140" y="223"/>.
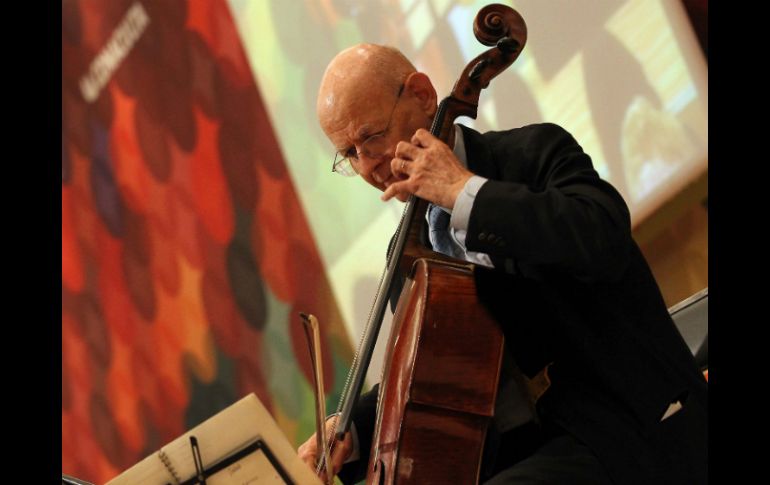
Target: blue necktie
<point x="442" y="241"/>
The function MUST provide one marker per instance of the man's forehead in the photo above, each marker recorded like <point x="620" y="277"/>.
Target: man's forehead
<point x="352" y="124"/>
<point x="350" y="105"/>
<point x="351" y="101"/>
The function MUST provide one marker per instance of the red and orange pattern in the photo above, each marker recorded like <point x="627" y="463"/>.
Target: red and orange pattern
<point x="186" y="255"/>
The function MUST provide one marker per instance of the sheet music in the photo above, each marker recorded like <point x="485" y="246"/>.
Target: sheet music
<point x="246" y="427"/>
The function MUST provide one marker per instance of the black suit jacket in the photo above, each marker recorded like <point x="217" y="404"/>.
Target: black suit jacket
<point x="570" y="286"/>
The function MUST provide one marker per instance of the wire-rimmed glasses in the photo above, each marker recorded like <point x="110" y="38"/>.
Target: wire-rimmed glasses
<point x="372" y="147"/>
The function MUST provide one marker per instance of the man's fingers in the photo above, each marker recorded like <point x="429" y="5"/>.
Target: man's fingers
<point x="398" y="190"/>
<point x="407" y="150"/>
<point x="307" y="448"/>
<point x="309" y="453"/>
<point x="310" y="462"/>
<point x="338" y="459"/>
<point x="423" y="138"/>
<point x="341" y="452"/>
<point x="400" y="166"/>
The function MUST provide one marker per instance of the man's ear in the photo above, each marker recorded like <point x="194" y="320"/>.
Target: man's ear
<point x="418" y="85"/>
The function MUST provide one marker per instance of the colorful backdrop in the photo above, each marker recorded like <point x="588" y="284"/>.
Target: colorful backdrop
<point x="186" y="255"/>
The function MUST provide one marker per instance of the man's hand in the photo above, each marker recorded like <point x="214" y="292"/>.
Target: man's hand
<point x="309" y="453"/>
<point x="428" y="169"/>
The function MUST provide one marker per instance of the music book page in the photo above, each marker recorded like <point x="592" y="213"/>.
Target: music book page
<point x="242" y="444"/>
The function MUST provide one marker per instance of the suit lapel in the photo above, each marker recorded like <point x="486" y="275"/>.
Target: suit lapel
<point x="478" y="154"/>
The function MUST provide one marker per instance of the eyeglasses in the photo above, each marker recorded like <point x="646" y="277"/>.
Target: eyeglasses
<point x="372" y="147"/>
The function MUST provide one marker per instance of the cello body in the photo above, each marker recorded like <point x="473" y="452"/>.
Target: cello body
<point x="439" y="382"/>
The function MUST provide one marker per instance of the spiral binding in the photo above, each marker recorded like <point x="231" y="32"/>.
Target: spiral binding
<point x="167" y="463"/>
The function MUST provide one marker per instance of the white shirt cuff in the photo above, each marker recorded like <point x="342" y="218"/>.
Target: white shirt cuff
<point x="461" y="212"/>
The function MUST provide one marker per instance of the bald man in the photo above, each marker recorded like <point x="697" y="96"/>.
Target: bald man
<point x="557" y="267"/>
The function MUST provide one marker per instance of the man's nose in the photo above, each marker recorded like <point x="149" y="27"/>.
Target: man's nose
<point x="368" y="164"/>
<point x="377" y="169"/>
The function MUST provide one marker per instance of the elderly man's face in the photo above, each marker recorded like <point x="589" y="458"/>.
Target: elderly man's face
<point x="362" y="113"/>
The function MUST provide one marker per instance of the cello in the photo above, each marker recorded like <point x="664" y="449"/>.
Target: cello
<point x="439" y="383"/>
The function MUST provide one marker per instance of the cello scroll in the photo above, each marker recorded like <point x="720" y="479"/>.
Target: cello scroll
<point x="495" y="25"/>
